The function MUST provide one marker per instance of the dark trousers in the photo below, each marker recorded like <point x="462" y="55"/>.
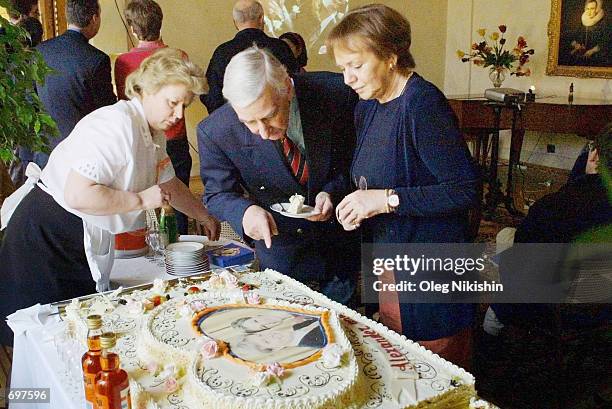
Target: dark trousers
<point x="178" y="151"/>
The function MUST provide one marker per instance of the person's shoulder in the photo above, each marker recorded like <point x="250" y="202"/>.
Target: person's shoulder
<point x="419" y="87"/>
<point x="322" y="81"/>
<point x="324" y="89"/>
<point x="220" y="122"/>
<point x="119" y="112"/>
<point x="113" y="121"/>
<point x="422" y="93"/>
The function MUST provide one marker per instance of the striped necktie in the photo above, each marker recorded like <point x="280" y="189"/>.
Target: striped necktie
<point x="296" y="161"/>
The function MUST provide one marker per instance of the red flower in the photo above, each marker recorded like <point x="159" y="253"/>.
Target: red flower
<point x="502" y="28"/>
<point x="521" y="42"/>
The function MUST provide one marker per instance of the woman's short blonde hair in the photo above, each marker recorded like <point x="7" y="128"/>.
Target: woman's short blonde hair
<point x="164" y="67"/>
<point x="376" y="28"/>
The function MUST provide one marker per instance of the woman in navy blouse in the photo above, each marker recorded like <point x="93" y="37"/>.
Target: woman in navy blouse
<point x="420" y="178"/>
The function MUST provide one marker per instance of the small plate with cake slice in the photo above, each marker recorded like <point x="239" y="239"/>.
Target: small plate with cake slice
<point x="295" y="208"/>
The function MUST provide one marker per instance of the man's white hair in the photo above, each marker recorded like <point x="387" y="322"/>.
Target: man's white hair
<point x="248" y="73"/>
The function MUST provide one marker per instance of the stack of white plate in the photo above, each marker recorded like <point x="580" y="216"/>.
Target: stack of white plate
<point x="186" y="258"/>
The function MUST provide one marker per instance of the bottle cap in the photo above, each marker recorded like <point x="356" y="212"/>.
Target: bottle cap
<point x="94" y="321"/>
<point x="108" y="340"/>
<point x="167" y="209"/>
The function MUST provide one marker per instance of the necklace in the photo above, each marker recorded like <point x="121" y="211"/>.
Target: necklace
<point x="396" y="95"/>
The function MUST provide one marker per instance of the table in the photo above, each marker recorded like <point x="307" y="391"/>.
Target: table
<point x="583" y="117"/>
<point x="35" y="360"/>
<point x="388" y="356"/>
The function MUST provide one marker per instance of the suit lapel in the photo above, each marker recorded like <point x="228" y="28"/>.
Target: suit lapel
<point x="268" y="161"/>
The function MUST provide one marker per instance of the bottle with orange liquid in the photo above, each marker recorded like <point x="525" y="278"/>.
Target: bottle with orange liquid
<point x="91" y="359"/>
<point x="112" y="384"/>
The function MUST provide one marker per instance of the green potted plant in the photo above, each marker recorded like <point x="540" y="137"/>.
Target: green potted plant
<point x="23" y="121"/>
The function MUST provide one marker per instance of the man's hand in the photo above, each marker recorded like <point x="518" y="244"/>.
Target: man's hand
<point x="325" y="207"/>
<point x="259" y="225"/>
<point x="210" y="226"/>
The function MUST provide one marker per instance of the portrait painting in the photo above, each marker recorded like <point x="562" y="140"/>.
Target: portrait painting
<point x="579" y="38"/>
<point x="264" y="335"/>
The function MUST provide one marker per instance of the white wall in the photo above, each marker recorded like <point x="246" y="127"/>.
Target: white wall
<point x="528" y="18"/>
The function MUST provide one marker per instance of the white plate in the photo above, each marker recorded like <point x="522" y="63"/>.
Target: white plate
<point x="202" y="239"/>
<point x="185" y="247"/>
<point x="307" y="211"/>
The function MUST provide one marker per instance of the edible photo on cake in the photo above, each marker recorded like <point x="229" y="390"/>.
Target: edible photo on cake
<point x="264" y="335"/>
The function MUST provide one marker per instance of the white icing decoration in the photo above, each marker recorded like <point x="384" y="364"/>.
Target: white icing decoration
<point x="332" y="355"/>
<point x="347" y="386"/>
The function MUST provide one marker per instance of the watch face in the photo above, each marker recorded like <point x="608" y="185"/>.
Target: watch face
<point x="393" y="200"/>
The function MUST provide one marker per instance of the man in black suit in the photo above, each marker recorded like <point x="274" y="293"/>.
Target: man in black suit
<point x="245" y="146"/>
<point x="248" y="18"/>
<point x="81" y="81"/>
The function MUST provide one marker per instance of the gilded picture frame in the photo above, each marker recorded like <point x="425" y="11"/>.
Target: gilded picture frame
<point x="579" y="39"/>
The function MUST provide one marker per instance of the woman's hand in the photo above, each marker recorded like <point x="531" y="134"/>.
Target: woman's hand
<point x="360" y="205"/>
<point x="153" y="197"/>
<point x="210" y="226"/>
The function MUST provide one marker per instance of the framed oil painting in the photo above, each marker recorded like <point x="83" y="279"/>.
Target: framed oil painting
<point x="579" y="38"/>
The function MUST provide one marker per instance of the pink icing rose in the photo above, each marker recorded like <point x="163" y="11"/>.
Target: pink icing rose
<point x="253" y="298"/>
<point x="209" y="349"/>
<point x="152" y="367"/>
<point x="275" y="369"/>
<point x="197" y="306"/>
<point x="171" y="385"/>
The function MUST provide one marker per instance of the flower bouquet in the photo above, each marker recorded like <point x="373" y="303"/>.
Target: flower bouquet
<point x="497" y="57"/>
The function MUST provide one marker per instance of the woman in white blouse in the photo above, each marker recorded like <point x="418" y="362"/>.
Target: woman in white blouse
<point x="97" y="183"/>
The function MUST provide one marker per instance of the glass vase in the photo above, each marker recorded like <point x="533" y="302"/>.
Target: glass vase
<point x="497" y="75"/>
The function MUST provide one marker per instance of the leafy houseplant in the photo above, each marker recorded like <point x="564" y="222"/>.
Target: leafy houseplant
<point x="23" y="121"/>
<point x="495" y="56"/>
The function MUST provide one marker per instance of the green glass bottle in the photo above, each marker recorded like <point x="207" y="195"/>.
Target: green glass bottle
<point x="167" y="224"/>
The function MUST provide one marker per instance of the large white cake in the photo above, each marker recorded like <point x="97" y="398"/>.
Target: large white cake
<point x="264" y="340"/>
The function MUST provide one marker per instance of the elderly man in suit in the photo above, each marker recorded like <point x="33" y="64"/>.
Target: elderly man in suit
<point x="248" y="18"/>
<point x="81" y="81"/>
<point x="279" y="136"/>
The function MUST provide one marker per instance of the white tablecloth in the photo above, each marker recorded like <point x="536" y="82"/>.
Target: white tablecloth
<point x="35" y="360"/>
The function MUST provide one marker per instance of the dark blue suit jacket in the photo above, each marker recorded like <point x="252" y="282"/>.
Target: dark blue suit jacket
<point x="224" y="53"/>
<point x="80" y="84"/>
<point x="233" y="161"/>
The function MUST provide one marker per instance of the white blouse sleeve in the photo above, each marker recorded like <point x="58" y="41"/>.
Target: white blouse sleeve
<point x="101" y="152"/>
